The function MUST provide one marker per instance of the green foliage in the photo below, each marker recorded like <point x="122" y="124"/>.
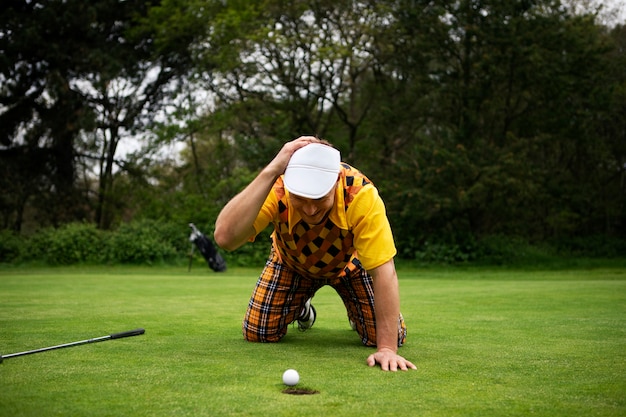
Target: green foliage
<point x="251" y="254"/>
<point x="70" y="244"/>
<point x="142" y="242"/>
<point x="480" y="122"/>
<point x="173" y="233"/>
<point x="599" y="246"/>
<point x="103" y="70"/>
<point x="508" y="144"/>
<point x="442" y="251"/>
<point x="152" y="242"/>
<point x="11" y="246"/>
<point x="511" y="250"/>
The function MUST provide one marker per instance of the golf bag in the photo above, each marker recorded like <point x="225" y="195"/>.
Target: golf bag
<point x="207" y="249"/>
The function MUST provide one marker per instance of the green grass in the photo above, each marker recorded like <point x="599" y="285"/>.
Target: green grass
<point x="487" y="342"/>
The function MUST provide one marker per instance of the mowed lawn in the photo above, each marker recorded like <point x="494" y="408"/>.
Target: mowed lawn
<point x="487" y="342"/>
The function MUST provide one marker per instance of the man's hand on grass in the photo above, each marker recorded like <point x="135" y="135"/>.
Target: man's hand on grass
<point x="389" y="361"/>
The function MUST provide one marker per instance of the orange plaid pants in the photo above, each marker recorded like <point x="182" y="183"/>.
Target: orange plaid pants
<point x="280" y="294"/>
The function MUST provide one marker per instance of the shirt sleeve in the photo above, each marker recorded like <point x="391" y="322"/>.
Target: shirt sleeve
<point x="368" y="220"/>
<point x="268" y="211"/>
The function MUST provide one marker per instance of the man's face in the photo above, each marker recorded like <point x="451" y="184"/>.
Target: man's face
<point x="313" y="211"/>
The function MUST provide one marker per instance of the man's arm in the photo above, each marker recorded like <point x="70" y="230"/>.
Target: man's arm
<point x="234" y="224"/>
<point x="387" y="307"/>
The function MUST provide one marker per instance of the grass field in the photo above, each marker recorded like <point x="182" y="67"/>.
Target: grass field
<point x="487" y="342"/>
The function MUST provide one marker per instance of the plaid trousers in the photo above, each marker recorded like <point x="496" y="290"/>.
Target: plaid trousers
<point x="280" y="294"/>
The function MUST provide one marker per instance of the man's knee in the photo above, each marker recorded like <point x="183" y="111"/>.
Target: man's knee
<point x="261" y="335"/>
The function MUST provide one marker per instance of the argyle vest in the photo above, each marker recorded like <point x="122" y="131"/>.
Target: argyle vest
<point x="322" y="250"/>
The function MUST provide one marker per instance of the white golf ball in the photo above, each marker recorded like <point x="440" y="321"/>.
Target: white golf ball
<point x="291" y="377"/>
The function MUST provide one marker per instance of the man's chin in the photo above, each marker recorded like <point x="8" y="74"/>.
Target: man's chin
<point x="314" y="221"/>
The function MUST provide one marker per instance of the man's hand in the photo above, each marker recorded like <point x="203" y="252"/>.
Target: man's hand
<point x="234" y="225"/>
<point x="387" y="311"/>
<point x="389" y="361"/>
<point x="279" y="164"/>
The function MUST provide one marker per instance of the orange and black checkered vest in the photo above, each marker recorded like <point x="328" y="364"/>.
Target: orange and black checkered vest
<point x="322" y="250"/>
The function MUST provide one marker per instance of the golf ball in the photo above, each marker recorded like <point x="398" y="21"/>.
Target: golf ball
<point x="291" y="377"/>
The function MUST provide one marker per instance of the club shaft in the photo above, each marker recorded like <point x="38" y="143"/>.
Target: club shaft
<point x="80" y="342"/>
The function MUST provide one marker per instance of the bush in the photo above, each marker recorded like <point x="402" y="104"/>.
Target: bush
<point x="502" y="250"/>
<point x="492" y="250"/>
<point x="591" y="246"/>
<point x="151" y="241"/>
<point x="252" y="253"/>
<point x="442" y="253"/>
<point x="176" y="234"/>
<point x="11" y="246"/>
<point x="71" y="243"/>
<point x="141" y="242"/>
<point x="455" y="248"/>
<point x="138" y="242"/>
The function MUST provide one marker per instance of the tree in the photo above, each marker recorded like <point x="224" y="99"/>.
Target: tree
<point x="40" y="113"/>
<point x="288" y="68"/>
<point x="473" y="117"/>
<point x="510" y="144"/>
<point x="71" y="67"/>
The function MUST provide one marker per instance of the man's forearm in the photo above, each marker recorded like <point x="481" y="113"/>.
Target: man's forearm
<point x="234" y="224"/>
<point x="387" y="306"/>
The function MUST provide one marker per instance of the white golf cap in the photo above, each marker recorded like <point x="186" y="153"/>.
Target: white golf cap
<point x="312" y="170"/>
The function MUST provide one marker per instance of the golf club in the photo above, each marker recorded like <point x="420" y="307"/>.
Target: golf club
<point x="129" y="333"/>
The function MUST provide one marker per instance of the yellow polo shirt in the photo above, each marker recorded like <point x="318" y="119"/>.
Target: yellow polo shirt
<point x="357" y="226"/>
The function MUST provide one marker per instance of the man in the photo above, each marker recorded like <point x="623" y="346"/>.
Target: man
<point x="330" y="228"/>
